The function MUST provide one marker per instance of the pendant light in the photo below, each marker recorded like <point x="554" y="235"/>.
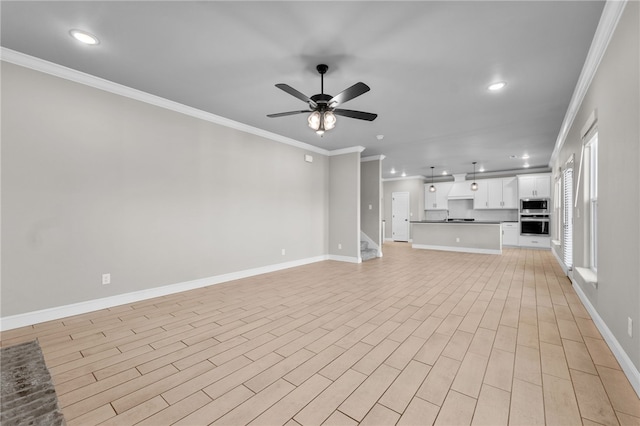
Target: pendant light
<point x="432" y="188"/>
<point x="474" y="185"/>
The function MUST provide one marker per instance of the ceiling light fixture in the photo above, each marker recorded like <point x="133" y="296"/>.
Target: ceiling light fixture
<point x="432" y="188"/>
<point x="392" y="171"/>
<point x="84" y="37"/>
<point x="526" y="165"/>
<point x="525" y="157"/>
<point x="403" y="174"/>
<point x="496" y="86"/>
<point x="481" y="170"/>
<point x="474" y="185"/>
<point x="444" y="173"/>
<point x="322" y="121"/>
<point x="380" y="137"/>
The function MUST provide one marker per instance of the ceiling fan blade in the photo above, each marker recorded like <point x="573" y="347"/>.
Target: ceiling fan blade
<point x="284" y="114"/>
<point x="355" y="114"/>
<point x="293" y="92"/>
<point x="350" y="93"/>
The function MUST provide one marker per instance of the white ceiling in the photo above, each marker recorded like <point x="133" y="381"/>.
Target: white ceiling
<point x="428" y="64"/>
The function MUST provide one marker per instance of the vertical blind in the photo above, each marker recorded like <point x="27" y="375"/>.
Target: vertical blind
<point x="567" y="218"/>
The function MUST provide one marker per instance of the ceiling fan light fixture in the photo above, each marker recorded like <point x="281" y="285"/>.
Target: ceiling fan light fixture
<point x="314" y="120"/>
<point x="329" y="120"/>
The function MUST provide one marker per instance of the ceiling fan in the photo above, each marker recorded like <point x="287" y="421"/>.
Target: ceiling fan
<point x="323" y="107"/>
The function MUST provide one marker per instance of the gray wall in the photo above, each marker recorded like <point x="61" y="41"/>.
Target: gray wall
<point x="415" y="188"/>
<point x="614" y="92"/>
<point x="344" y="205"/>
<point x="96" y="183"/>
<point x="371" y="195"/>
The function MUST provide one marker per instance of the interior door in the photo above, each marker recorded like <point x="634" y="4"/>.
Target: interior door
<point x="400" y="216"/>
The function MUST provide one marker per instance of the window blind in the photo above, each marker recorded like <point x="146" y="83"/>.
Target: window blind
<point x="567" y="218"/>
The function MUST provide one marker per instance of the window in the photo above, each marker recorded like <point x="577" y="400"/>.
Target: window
<point x="592" y="146"/>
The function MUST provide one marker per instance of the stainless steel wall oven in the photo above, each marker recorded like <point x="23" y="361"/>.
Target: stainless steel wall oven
<point x="534" y="225"/>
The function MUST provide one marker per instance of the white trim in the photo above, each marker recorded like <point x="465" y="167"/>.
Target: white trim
<point x="348" y="259"/>
<point x="372" y="158"/>
<point x="80" y="77"/>
<point x="611" y="14"/>
<point x="349" y="150"/>
<point x="457" y="249"/>
<point x="404" y="178"/>
<point x="591" y="121"/>
<point x="629" y="369"/>
<point x="558" y="259"/>
<point x="30" y="318"/>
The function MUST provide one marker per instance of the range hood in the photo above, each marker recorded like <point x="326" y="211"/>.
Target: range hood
<point x="461" y="189"/>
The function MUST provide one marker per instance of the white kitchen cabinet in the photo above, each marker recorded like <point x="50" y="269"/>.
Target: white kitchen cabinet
<point x="481" y="196"/>
<point x="437" y="200"/>
<point x="534" y="186"/>
<point x="510" y="193"/>
<point x="496" y="194"/>
<point x="510" y="234"/>
<point x="534" y="241"/>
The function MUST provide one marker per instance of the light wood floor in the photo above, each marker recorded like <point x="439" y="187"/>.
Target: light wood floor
<point x="414" y="338"/>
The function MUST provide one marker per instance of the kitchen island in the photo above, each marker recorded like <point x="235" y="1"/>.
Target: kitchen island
<point x="461" y="236"/>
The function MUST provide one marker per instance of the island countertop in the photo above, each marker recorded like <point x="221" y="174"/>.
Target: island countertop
<point x="493" y="222"/>
<point x="482" y="237"/>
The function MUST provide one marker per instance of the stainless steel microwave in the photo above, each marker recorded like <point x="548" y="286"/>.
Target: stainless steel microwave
<point x="534" y="205"/>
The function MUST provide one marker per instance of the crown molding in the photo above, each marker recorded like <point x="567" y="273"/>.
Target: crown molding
<point x="608" y="21"/>
<point x="80" y="77"/>
<point x="349" y="150"/>
<point x="405" y="178"/>
<point x="372" y="158"/>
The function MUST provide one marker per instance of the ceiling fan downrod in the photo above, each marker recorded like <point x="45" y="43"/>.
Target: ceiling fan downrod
<point x="322" y="69"/>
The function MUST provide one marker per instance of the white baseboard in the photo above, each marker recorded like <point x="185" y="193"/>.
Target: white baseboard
<point x="560" y="262"/>
<point x="50" y="314"/>
<point x="630" y="370"/>
<point x="348" y="259"/>
<point x="457" y="249"/>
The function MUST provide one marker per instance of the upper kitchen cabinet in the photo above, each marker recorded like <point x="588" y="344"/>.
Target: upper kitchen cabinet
<point x="496" y="194"/>
<point x="534" y="186"/>
<point x="437" y="200"/>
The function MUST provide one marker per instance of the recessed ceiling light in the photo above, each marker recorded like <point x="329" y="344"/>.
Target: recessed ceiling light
<point x="496" y="86"/>
<point x="392" y="171"/>
<point x="403" y="174"/>
<point x="481" y="169"/>
<point x="526" y="165"/>
<point x="444" y="173"/>
<point x="526" y="156"/>
<point x="84" y="37"/>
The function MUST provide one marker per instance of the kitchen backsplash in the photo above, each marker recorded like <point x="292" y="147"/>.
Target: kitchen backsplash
<point x="463" y="209"/>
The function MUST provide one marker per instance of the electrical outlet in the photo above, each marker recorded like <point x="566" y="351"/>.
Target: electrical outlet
<point x="457" y="239"/>
<point x="284" y="252"/>
<point x="106" y="279"/>
<point x="370" y="207"/>
<point x="339" y="246"/>
<point x="629" y="326"/>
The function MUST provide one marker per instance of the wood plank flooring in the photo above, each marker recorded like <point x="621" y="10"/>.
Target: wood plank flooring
<point x="417" y="337"/>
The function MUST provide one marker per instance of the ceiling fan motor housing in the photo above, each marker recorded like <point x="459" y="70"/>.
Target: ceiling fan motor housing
<point x="322" y="100"/>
